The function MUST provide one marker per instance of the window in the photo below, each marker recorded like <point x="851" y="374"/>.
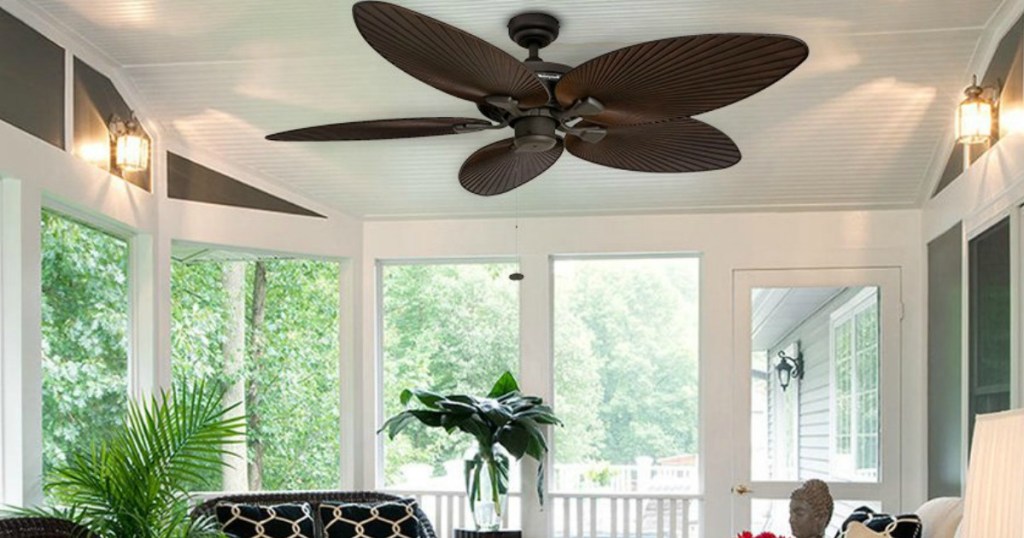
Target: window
<point x="626" y="374"/>
<point x="855" y="366"/>
<point x="84" y="335"/>
<point x="265" y="330"/>
<point x="451" y="327"/>
<point x="990" y="306"/>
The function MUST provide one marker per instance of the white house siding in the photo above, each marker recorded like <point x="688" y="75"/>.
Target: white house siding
<point x="814" y="424"/>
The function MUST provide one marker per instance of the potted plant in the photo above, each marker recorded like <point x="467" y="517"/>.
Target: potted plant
<point x="504" y="423"/>
<point x="135" y="484"/>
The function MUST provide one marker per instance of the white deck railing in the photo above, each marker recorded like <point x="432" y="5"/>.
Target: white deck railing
<point x="578" y="515"/>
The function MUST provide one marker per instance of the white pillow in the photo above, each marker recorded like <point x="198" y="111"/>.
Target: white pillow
<point x="940" y="517"/>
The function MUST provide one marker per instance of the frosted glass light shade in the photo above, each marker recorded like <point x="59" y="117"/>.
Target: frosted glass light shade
<point x="132" y="152"/>
<point x="994" y="501"/>
<point x="974" y="121"/>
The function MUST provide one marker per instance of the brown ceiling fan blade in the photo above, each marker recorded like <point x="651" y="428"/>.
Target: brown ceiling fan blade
<point x="446" y="57"/>
<point x="497" y="168"/>
<point x="680" y="76"/>
<point x="682" y="145"/>
<point x="379" y="129"/>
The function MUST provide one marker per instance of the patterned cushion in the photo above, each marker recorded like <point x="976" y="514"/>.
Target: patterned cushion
<point x="903" y="526"/>
<point x="276" y="521"/>
<point x="385" y="520"/>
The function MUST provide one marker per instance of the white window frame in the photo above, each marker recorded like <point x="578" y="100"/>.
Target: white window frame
<point x="845" y="465"/>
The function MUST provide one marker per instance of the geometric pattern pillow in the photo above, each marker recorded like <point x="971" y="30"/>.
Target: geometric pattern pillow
<point x="902" y="526"/>
<point x="394" y="519"/>
<point x="276" y="521"/>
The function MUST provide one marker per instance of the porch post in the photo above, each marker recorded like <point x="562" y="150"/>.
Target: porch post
<point x="21" y="434"/>
<point x="536" y="377"/>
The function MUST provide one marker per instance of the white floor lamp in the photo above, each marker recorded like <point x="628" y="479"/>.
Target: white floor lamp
<point x="994" y="501"/>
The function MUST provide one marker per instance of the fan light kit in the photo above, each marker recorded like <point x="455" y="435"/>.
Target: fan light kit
<point x="629" y="109"/>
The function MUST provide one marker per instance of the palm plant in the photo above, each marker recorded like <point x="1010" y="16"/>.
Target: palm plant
<point x="504" y="418"/>
<point x="135" y="484"/>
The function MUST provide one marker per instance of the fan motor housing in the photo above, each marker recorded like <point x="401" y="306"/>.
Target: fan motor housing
<point x="533" y="29"/>
<point x="535" y="134"/>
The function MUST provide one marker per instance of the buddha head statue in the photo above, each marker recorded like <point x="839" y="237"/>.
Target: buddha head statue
<point x="810" y="509"/>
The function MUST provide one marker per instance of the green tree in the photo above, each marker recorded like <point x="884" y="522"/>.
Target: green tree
<point x="84" y="335"/>
<point x="633" y="322"/>
<point x="450" y="327"/>
<point x="291" y="373"/>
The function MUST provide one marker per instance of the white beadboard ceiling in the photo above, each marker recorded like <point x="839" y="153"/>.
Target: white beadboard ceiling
<point x="854" y="127"/>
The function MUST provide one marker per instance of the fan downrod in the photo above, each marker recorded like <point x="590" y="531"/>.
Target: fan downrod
<point x="533" y="30"/>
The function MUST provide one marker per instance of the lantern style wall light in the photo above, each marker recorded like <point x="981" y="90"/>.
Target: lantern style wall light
<point x="789" y="368"/>
<point x="975" y="118"/>
<point x="129" y="143"/>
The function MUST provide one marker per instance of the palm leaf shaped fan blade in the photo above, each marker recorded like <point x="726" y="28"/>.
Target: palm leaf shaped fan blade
<point x="630" y="109"/>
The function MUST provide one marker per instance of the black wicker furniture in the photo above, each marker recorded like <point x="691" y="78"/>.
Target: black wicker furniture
<point x="314" y="498"/>
<point x="41" y="527"/>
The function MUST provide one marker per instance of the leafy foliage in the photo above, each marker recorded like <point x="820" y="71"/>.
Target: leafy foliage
<point x="451" y="327"/>
<point x="626" y="331"/>
<point x="134" y="483"/>
<point x="84" y="336"/>
<point x="625" y="353"/>
<point x="504" y="417"/>
<point x="297" y="370"/>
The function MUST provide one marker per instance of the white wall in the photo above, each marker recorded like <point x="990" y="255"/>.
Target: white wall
<point x="725" y="243"/>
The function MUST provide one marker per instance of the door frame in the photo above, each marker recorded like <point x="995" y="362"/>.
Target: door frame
<point x="887" y="279"/>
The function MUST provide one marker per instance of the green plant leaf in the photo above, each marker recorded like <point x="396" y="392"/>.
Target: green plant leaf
<point x="426" y="397"/>
<point x="134" y="483"/>
<point x="505" y="417"/>
<point x="427" y="417"/>
<point x="456" y="407"/>
<point x="505" y="385"/>
<point x="397" y="423"/>
<point x="497" y="414"/>
<point x="405" y="397"/>
<point x="515" y="439"/>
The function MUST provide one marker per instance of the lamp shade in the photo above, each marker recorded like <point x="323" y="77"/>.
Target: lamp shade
<point x="994" y="500"/>
<point x="132" y="152"/>
<point x="974" y="117"/>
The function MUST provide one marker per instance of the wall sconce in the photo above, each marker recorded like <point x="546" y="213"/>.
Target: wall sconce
<point x="975" y="116"/>
<point x="789" y="368"/>
<point x="129" y="143"/>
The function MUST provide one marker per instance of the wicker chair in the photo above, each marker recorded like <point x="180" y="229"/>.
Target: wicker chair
<point x="314" y="498"/>
<point x="41" y="527"/>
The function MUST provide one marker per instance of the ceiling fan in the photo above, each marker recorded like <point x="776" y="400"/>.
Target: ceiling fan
<point x="629" y="109"/>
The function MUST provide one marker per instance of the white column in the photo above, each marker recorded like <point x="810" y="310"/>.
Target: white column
<point x="142" y="289"/>
<point x="357" y="395"/>
<point x="718" y="449"/>
<point x="536" y="377"/>
<point x="20" y="355"/>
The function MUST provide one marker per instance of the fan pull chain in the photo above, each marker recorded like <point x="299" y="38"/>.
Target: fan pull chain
<point x="518" y="275"/>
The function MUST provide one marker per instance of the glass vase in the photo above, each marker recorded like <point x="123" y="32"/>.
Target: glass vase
<point x="487" y="468"/>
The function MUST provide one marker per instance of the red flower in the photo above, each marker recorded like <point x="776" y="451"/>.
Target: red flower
<point x="748" y="534"/>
